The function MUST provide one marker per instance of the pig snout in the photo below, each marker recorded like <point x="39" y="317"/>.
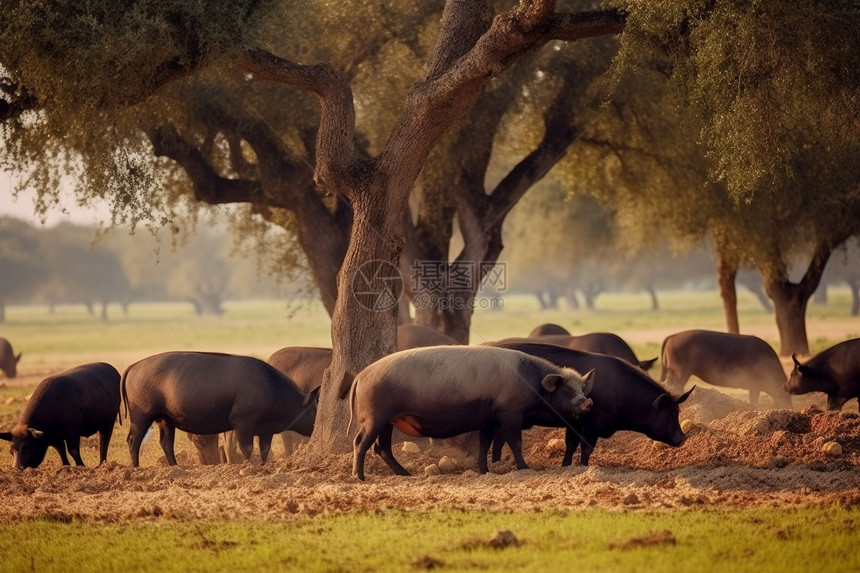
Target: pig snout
<point x="583" y="407"/>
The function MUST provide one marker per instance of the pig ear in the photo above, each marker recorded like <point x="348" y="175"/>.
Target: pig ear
<point x="312" y="396"/>
<point x="662" y="400"/>
<point x="551" y="382"/>
<point x="18" y="358"/>
<point x="685" y="395"/>
<point x="6" y="436"/>
<point x="588" y="382"/>
<point x="35" y="433"/>
<point x="794" y="358"/>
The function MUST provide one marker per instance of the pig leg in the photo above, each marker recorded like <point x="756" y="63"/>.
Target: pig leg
<point x="60" y="446"/>
<point x="104" y="440"/>
<point x="231" y="448"/>
<point x="571" y="442"/>
<point x="363" y="440"/>
<point x="835" y="401"/>
<point x="754" y="397"/>
<point x="586" y="446"/>
<point x="245" y="438"/>
<point x="485" y="438"/>
<point x="382" y="447"/>
<point x="674" y="380"/>
<point x="166" y="435"/>
<point x="498" y="444"/>
<point x="265" y="446"/>
<point x="136" y="433"/>
<point x="74" y="445"/>
<point x="291" y="439"/>
<point x="511" y="428"/>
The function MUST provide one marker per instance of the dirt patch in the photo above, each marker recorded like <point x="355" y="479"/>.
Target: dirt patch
<point x="733" y="457"/>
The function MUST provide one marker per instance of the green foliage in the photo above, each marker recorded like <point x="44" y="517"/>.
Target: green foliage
<point x="775" y="83"/>
<point x="747" y="540"/>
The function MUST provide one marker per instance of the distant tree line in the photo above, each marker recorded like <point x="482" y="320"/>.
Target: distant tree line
<point x="584" y="251"/>
<point x="70" y="264"/>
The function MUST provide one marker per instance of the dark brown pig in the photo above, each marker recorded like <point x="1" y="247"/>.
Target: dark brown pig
<point x="599" y="342"/>
<point x="418" y="336"/>
<point x="835" y="371"/>
<point x="444" y="391"/>
<point x="625" y="398"/>
<point x="549" y="328"/>
<point x="210" y="393"/>
<point x="77" y="402"/>
<point x="8" y="360"/>
<point x="722" y="359"/>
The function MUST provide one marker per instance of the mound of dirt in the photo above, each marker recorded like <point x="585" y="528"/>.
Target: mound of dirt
<point x="706" y="405"/>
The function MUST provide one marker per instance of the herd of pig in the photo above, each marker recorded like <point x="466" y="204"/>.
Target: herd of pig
<point x="592" y="385"/>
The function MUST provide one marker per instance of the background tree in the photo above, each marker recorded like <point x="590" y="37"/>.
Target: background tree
<point x="736" y="122"/>
<point x="20" y="270"/>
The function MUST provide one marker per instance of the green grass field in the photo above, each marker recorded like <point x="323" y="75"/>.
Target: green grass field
<point x="799" y="539"/>
<point x="808" y="539"/>
<point x="70" y="336"/>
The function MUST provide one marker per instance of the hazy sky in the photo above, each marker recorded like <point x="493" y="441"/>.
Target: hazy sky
<point x="22" y="207"/>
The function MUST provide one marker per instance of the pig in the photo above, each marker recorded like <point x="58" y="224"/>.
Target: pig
<point x="77" y="402"/>
<point x="549" y="328"/>
<point x="418" y="336"/>
<point x="600" y="342"/>
<point x="443" y="391"/>
<point x="625" y="398"/>
<point x="304" y="365"/>
<point x="722" y="359"/>
<point x="210" y="393"/>
<point x="835" y="371"/>
<point x="8" y="360"/>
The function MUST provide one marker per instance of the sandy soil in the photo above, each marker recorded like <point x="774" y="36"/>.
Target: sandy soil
<point x="733" y="457"/>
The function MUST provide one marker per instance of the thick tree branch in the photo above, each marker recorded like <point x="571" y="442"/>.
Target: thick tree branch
<point x="572" y="27"/>
<point x="209" y="186"/>
<point x="337" y="168"/>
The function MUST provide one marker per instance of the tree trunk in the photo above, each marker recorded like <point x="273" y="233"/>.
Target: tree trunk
<point x="755" y="286"/>
<point x="370" y="286"/>
<point x="655" y="303"/>
<point x="854" y="284"/>
<point x="820" y="295"/>
<point x="727" y="270"/>
<point x="790" y="300"/>
<point x="790" y="308"/>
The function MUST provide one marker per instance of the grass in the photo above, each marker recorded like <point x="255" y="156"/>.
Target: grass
<point x="760" y="540"/>
<point x="71" y="336"/>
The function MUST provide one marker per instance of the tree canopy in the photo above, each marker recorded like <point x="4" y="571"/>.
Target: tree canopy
<point x="326" y="117"/>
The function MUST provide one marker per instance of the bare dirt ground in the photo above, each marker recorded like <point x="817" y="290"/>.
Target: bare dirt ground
<point x="734" y="457"/>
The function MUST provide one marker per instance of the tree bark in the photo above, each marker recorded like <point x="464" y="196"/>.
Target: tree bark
<point x="370" y="286"/>
<point x="790" y="301"/>
<point x="854" y="285"/>
<point x="727" y="270"/>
